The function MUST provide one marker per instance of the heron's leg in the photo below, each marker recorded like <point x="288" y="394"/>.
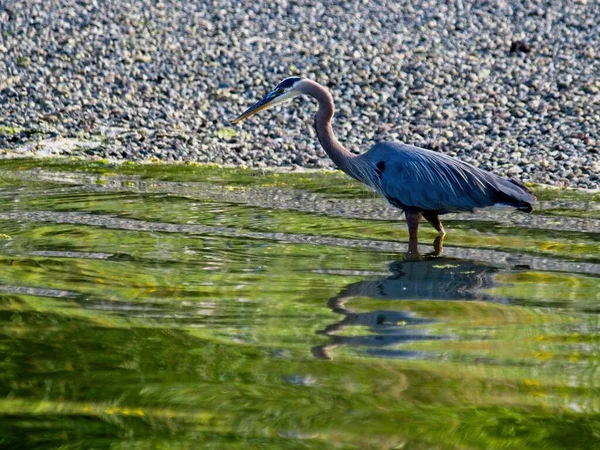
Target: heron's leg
<point x="438" y="243"/>
<point x="435" y="221"/>
<point x="412" y="220"/>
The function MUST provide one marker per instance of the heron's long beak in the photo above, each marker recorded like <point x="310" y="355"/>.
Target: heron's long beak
<point x="257" y="107"/>
<point x="270" y="100"/>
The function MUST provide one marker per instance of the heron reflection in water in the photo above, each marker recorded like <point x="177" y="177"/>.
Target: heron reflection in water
<point x="427" y="279"/>
<point x="422" y="183"/>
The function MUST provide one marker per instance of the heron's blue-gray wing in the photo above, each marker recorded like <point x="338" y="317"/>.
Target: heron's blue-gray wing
<point x="413" y="178"/>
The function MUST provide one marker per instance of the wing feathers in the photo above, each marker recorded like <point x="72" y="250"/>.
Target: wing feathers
<point x="423" y="180"/>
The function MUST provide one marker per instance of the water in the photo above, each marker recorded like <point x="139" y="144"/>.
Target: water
<point x="191" y="307"/>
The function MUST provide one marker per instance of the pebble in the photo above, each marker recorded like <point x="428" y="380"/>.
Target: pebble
<point x="513" y="88"/>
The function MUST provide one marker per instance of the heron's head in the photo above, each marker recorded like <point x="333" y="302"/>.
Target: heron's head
<point x="284" y="91"/>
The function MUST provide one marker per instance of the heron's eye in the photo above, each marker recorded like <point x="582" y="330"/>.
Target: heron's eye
<point x="280" y="90"/>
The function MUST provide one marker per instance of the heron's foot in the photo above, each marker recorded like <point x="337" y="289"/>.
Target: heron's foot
<point x="438" y="245"/>
<point x="412" y="256"/>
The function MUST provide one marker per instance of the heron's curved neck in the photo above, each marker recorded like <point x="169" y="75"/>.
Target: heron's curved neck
<point x="336" y="151"/>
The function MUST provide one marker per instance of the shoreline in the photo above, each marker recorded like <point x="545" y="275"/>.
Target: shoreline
<point x="73" y="149"/>
<point x="293" y="169"/>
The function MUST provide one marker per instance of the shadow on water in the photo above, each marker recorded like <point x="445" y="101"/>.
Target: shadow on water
<point x="426" y="279"/>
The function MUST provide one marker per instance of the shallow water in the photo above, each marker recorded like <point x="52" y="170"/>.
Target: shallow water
<point x="193" y="307"/>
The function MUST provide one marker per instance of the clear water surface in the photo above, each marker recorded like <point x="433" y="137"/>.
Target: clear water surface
<point x="195" y="307"/>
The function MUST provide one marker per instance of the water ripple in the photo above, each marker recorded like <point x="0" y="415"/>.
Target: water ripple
<point x="486" y="255"/>
<point x="372" y="208"/>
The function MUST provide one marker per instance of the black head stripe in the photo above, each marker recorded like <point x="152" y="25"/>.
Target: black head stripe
<point x="288" y="82"/>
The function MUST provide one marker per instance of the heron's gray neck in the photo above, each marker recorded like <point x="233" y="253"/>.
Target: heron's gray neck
<point x="336" y="151"/>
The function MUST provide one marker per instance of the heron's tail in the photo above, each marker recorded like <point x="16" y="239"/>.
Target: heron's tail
<point x="514" y="193"/>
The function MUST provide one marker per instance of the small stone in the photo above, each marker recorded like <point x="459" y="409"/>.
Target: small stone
<point x="514" y="170"/>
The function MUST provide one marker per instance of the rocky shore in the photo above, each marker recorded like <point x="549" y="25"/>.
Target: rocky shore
<point x="509" y="86"/>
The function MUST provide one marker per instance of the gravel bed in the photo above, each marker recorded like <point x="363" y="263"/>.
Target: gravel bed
<point x="509" y="86"/>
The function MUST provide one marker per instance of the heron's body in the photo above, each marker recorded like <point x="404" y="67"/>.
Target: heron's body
<point x="421" y="182"/>
<point x="445" y="184"/>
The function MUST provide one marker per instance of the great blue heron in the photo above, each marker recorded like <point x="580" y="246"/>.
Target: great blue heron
<point x="421" y="182"/>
